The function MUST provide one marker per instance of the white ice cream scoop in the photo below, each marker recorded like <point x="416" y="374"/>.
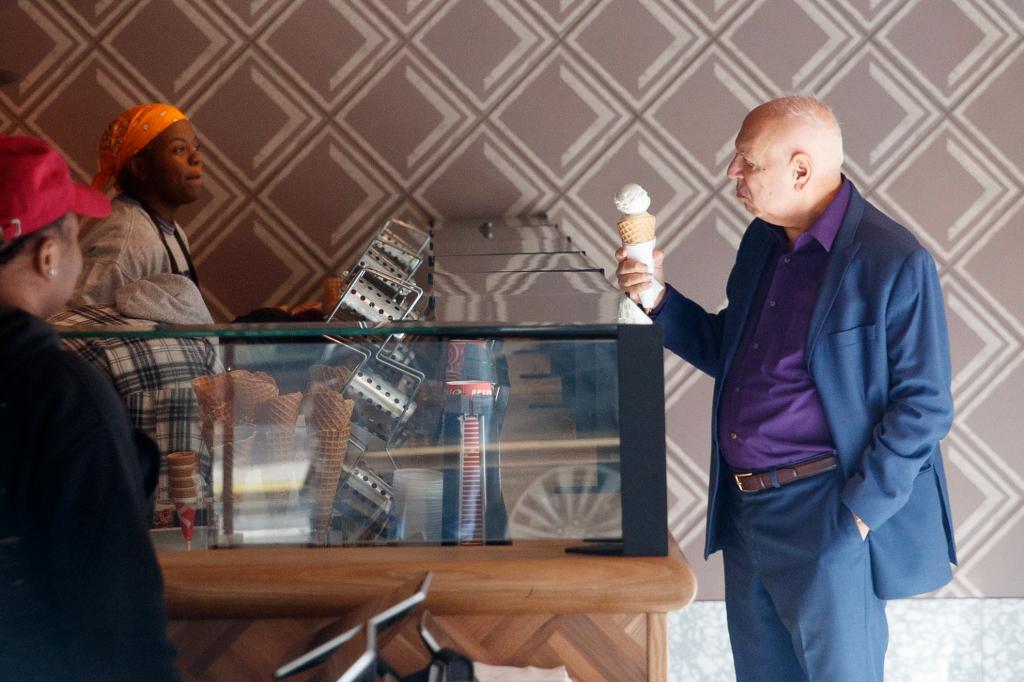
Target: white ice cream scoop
<point x="632" y="199"/>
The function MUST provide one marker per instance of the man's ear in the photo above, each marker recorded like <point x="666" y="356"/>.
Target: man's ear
<point x="138" y="167"/>
<point x="802" y="166"/>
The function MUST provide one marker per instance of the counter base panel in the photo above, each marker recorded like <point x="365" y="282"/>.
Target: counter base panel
<point x="600" y="646"/>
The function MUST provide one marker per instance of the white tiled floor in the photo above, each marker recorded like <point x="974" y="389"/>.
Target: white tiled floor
<point x="930" y="640"/>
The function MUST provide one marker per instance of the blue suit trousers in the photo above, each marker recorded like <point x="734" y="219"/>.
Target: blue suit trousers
<point x="798" y="589"/>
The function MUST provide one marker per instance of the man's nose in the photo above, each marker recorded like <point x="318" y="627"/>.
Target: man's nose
<point x="733" y="171"/>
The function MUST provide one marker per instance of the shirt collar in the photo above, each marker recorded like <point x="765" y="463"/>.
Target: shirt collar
<point x="826" y="227"/>
<point x="161" y="224"/>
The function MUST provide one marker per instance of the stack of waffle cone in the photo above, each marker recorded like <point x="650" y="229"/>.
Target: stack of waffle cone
<point x="636" y="228"/>
<point x="331" y="294"/>
<point x="332" y="415"/>
<point x="251" y="389"/>
<point x="182" y="468"/>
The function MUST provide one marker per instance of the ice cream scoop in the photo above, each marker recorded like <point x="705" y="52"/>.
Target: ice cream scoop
<point x="632" y="198"/>
<point x="636" y="229"/>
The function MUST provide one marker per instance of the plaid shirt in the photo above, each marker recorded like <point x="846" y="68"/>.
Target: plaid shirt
<point x="152" y="377"/>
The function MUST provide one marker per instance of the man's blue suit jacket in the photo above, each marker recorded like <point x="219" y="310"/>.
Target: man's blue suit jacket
<point x="878" y="351"/>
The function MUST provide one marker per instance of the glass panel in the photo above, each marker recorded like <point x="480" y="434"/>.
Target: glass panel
<point x="343" y="440"/>
<point x="261" y="333"/>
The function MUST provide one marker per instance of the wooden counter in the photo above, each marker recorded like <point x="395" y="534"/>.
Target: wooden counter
<point x="238" y="614"/>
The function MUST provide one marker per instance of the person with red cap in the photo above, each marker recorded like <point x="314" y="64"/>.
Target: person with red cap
<point x="81" y="596"/>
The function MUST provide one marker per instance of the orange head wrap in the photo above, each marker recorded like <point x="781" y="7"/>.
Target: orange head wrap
<point x="128" y="134"/>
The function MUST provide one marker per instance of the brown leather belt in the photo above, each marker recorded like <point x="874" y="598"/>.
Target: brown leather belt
<point x="756" y="482"/>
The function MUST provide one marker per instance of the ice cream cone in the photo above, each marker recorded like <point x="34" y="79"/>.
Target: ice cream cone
<point x="279" y="411"/>
<point x="327" y="376"/>
<point x="182" y="458"/>
<point x="180" y="470"/>
<point x="216" y="423"/>
<point x="636" y="228"/>
<point x="331" y="446"/>
<point x="275" y="420"/>
<point x="212" y="388"/>
<point x="331" y="411"/>
<point x="249" y="391"/>
<point x="183" y="488"/>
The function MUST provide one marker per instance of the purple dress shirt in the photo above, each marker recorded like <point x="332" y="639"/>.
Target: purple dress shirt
<point x="770" y="412"/>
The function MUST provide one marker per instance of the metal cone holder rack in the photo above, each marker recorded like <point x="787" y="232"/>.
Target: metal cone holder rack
<point x="380" y="288"/>
<point x="386" y="381"/>
<point x="403" y="243"/>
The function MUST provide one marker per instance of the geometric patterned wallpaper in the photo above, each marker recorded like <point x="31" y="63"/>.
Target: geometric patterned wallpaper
<point x="320" y="118"/>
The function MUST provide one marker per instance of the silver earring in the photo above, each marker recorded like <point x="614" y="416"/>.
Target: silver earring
<point x="51" y="272"/>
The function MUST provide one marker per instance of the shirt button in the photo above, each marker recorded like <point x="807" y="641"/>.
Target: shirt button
<point x="733" y="435"/>
<point x="771" y="303"/>
<point x="736" y="390"/>
<point x="786" y="259"/>
<point x="756" y="345"/>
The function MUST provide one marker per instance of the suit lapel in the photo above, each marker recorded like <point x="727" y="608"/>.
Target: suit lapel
<point x="844" y="249"/>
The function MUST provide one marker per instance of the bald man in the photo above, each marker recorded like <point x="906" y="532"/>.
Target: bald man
<point x="832" y="391"/>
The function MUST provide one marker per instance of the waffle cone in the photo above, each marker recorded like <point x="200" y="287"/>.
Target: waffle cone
<point x="183" y="492"/>
<point x="180" y="471"/>
<point x="251" y="390"/>
<point x="331" y="411"/>
<point x="331" y="446"/>
<point x="329" y="377"/>
<point x="182" y="457"/>
<point x="212" y="388"/>
<point x="329" y="451"/>
<point x="636" y="228"/>
<point x="322" y="520"/>
<point x="278" y="444"/>
<point x="217" y="423"/>
<point x="279" y="412"/>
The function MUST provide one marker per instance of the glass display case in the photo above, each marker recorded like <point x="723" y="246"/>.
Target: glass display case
<point x="412" y="433"/>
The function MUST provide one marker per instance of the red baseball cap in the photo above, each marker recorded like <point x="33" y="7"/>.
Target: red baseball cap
<point x="36" y="188"/>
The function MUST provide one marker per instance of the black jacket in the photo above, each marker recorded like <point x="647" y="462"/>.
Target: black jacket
<point x="81" y="596"/>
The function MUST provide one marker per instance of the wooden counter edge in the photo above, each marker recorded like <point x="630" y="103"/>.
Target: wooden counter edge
<point x="534" y="577"/>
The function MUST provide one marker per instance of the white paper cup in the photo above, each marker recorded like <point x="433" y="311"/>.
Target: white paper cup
<point x="644" y="253"/>
<point x="418" y="496"/>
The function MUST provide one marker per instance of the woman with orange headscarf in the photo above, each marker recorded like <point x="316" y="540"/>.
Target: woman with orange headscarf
<point x="151" y="154"/>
